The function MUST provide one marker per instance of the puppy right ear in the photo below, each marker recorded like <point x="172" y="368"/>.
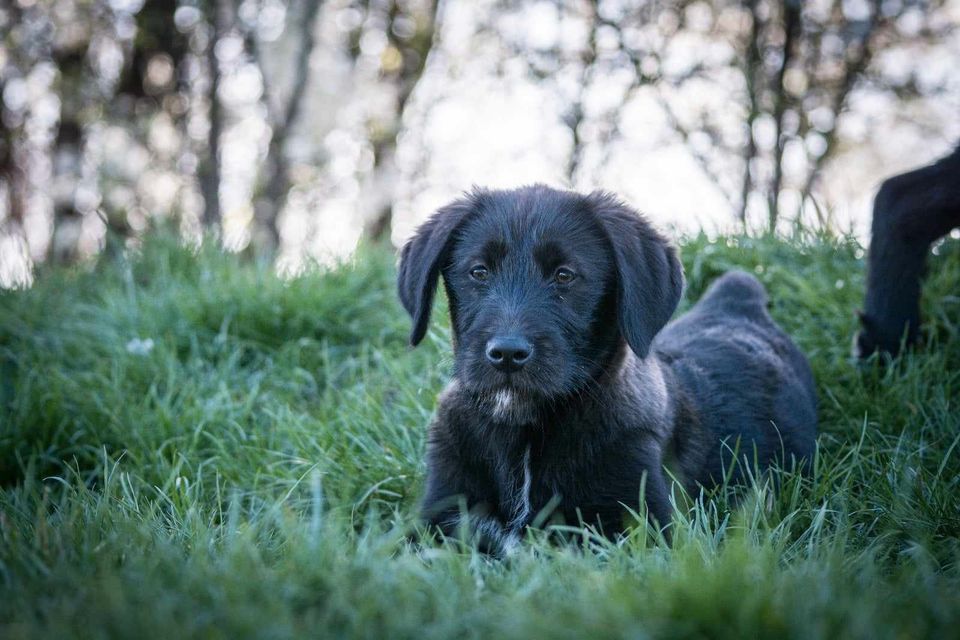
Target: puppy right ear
<point x="422" y="258"/>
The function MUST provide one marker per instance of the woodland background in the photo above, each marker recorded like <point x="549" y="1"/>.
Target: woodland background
<point x="293" y="129"/>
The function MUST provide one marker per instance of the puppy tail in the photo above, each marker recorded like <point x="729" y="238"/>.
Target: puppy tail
<point x="737" y="290"/>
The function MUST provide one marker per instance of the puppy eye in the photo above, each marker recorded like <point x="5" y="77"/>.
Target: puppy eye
<point x="564" y="276"/>
<point x="479" y="273"/>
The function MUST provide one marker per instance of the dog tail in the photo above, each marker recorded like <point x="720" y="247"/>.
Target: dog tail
<point x="736" y="290"/>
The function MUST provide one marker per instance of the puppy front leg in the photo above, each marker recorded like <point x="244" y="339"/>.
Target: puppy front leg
<point x="657" y="497"/>
<point x="651" y="495"/>
<point x="655" y="490"/>
<point x="458" y="513"/>
<point x="489" y="535"/>
<point x="648" y="460"/>
<point x="474" y="525"/>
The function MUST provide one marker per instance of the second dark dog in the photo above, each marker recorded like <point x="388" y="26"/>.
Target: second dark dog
<point x="568" y="392"/>
<point x="911" y="211"/>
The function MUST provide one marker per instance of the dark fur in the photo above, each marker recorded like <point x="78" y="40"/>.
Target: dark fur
<point x="910" y="212"/>
<point x="609" y="395"/>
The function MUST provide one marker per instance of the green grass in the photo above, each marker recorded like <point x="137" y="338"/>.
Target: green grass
<point x="256" y="472"/>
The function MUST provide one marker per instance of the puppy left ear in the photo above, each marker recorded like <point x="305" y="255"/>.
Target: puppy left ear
<point x="649" y="274"/>
<point x="422" y="258"/>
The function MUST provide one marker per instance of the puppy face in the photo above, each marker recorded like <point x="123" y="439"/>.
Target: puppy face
<point x="545" y="288"/>
<point x="531" y="285"/>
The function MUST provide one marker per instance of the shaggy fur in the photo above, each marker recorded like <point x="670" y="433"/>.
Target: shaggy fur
<point x="599" y="394"/>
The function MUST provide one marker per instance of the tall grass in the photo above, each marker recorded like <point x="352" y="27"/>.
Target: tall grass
<point x="192" y="447"/>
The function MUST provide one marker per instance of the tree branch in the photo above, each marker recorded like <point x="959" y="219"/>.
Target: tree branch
<point x="791" y="27"/>
<point x="852" y="72"/>
<point x="750" y="70"/>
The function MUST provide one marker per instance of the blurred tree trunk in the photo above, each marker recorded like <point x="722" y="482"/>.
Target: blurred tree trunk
<point x="220" y="18"/>
<point x="790" y="10"/>
<point x="141" y="95"/>
<point x="68" y="151"/>
<point x="752" y="81"/>
<point x="157" y="34"/>
<point x="14" y="181"/>
<point x="402" y="66"/>
<point x="283" y="116"/>
<point x="12" y="177"/>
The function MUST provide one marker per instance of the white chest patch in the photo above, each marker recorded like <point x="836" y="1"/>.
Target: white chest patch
<point x="502" y="402"/>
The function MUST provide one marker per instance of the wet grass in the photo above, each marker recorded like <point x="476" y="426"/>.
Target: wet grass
<point x="192" y="447"/>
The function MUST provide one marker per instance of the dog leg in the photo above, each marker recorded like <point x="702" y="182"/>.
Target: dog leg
<point x="910" y="212"/>
<point x="486" y="533"/>
<point x="452" y="509"/>
<point x="657" y="497"/>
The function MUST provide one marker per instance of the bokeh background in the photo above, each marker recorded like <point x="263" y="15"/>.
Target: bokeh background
<point x="295" y="130"/>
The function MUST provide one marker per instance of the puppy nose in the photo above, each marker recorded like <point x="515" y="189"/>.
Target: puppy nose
<point x="509" y="353"/>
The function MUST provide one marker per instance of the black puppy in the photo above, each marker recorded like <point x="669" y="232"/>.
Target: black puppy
<point x="911" y="212"/>
<point x="568" y="392"/>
